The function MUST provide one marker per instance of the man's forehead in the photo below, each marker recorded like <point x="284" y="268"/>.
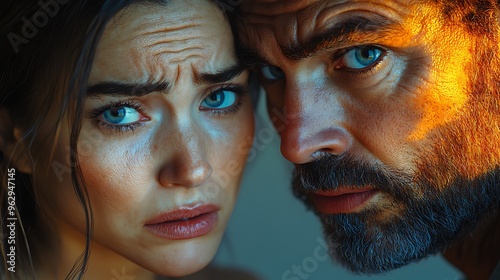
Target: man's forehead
<point x="273" y="8"/>
<point x="296" y="23"/>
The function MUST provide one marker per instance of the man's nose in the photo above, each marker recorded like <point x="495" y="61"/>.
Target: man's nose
<point x="314" y="123"/>
<point x="186" y="164"/>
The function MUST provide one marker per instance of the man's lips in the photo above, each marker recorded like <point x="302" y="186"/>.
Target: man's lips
<point x="185" y="222"/>
<point x="342" y="200"/>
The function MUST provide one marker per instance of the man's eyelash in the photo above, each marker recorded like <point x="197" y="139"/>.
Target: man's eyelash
<point x="337" y="56"/>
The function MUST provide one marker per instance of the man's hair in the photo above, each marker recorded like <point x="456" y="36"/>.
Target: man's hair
<point x="479" y="17"/>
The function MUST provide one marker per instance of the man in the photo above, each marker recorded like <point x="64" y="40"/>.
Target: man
<point x="390" y="110"/>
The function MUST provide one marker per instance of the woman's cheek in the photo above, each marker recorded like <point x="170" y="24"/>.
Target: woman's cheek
<point x="114" y="172"/>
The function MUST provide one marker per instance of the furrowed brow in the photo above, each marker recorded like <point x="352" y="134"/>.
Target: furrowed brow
<point x="222" y="76"/>
<point x="340" y="34"/>
<point x="119" y="89"/>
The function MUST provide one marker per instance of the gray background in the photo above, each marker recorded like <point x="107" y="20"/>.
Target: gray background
<point x="270" y="231"/>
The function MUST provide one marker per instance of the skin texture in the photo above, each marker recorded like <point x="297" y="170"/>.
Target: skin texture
<point x="180" y="153"/>
<point x="419" y="123"/>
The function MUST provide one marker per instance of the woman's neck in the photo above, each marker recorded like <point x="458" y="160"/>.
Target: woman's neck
<point x="102" y="264"/>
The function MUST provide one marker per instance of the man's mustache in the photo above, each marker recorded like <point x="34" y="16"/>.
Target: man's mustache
<point x="331" y="172"/>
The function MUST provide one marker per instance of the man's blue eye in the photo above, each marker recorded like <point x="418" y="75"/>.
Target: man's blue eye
<point x="220" y="99"/>
<point x="361" y="57"/>
<point x="121" y="115"/>
<point x="272" y="73"/>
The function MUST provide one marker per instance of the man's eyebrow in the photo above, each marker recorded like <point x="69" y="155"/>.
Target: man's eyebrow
<point x="221" y="76"/>
<point x="125" y="89"/>
<point x="251" y="58"/>
<point x="338" y="35"/>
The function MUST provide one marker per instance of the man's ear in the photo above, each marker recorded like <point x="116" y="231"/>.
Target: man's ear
<point x="13" y="149"/>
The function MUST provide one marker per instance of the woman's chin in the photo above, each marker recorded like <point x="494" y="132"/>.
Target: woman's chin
<point x="181" y="268"/>
<point x="185" y="261"/>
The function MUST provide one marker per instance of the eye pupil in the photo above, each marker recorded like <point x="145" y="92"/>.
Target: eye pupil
<point x="215" y="99"/>
<point x="366" y="56"/>
<point x="118" y="112"/>
<point x="220" y="99"/>
<point x="115" y="115"/>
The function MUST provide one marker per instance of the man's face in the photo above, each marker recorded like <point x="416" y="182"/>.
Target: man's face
<point x="389" y="109"/>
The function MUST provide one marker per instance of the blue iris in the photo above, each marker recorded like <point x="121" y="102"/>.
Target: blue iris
<point x="220" y="99"/>
<point x="120" y="115"/>
<point x="362" y="57"/>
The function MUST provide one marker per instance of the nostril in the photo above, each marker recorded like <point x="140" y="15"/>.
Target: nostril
<point x="322" y="153"/>
<point x="183" y="172"/>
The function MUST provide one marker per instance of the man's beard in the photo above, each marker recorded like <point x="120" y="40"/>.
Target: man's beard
<point x="424" y="220"/>
<point x="421" y="212"/>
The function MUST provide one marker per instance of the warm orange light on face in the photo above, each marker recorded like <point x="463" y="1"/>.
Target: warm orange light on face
<point x="447" y="89"/>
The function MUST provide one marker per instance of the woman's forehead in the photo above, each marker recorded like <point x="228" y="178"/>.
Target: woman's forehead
<point x="144" y="43"/>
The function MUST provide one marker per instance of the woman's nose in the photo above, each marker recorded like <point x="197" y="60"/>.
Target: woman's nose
<point x="186" y="163"/>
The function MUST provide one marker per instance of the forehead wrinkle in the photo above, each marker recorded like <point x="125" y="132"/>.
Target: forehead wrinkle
<point x="151" y="21"/>
<point x="176" y="45"/>
<point x="270" y="8"/>
<point x="388" y="10"/>
<point x="179" y="34"/>
<point x="177" y="48"/>
<point x="150" y="44"/>
<point x="298" y="27"/>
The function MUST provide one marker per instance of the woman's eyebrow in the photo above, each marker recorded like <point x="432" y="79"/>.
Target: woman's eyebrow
<point x="121" y="89"/>
<point x="221" y="76"/>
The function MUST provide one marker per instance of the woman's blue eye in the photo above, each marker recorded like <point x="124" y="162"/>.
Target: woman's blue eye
<point x="220" y="99"/>
<point x="121" y="115"/>
<point x="272" y="72"/>
<point x="361" y="57"/>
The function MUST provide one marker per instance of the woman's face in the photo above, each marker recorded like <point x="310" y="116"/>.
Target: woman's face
<point x="164" y="139"/>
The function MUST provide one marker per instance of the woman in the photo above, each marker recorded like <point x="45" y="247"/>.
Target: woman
<point x="126" y="125"/>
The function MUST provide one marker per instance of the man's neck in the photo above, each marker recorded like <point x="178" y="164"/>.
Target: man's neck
<point x="478" y="254"/>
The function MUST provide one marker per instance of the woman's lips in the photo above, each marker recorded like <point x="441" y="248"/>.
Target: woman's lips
<point x="342" y="200"/>
<point x="185" y="222"/>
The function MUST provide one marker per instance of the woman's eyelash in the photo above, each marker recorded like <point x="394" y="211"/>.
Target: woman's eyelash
<point x="96" y="113"/>
<point x="239" y="90"/>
